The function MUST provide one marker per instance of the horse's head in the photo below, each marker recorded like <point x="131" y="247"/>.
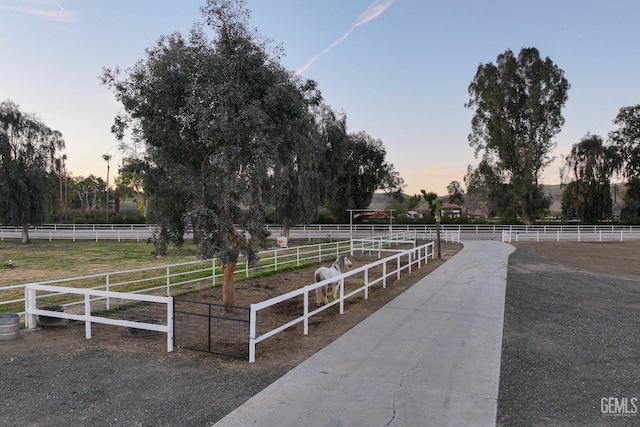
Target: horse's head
<point x="344" y="260"/>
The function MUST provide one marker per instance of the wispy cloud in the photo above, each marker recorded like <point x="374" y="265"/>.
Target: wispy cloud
<point x="47" y="9"/>
<point x="376" y="9"/>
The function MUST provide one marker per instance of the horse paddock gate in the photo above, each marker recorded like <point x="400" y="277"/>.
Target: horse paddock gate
<point x="207" y="327"/>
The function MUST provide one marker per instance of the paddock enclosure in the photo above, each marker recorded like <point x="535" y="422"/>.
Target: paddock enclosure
<point x="196" y="320"/>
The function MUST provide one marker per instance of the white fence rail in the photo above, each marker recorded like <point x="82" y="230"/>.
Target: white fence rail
<point x="574" y="234"/>
<point x="85" y="308"/>
<point x="140" y="232"/>
<point x="164" y="280"/>
<point x="31" y="311"/>
<point x="415" y="258"/>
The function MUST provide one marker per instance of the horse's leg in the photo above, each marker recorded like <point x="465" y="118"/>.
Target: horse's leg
<point x="325" y="292"/>
<point x="336" y="285"/>
<point x="318" y="302"/>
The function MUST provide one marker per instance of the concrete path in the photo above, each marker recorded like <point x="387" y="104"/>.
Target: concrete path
<point x="430" y="357"/>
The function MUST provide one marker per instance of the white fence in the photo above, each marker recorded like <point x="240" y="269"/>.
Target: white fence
<point x="575" y="234"/>
<point x="164" y="279"/>
<point x="74" y="232"/>
<point x="333" y="232"/>
<point x="140" y="232"/>
<point x="415" y="258"/>
<point x="31" y="311"/>
<point x="84" y="309"/>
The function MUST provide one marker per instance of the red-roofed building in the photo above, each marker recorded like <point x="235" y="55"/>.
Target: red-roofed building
<point x="451" y="210"/>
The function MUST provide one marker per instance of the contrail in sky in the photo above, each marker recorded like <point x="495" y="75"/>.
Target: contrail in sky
<point x="41" y="9"/>
<point x="372" y="12"/>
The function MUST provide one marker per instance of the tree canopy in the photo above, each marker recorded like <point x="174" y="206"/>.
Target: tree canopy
<point x="518" y="105"/>
<point x="28" y="150"/>
<point x="627" y="139"/>
<point x="455" y="192"/>
<point x="592" y="164"/>
<point x="307" y="170"/>
<point x="361" y="170"/>
<point x="227" y="132"/>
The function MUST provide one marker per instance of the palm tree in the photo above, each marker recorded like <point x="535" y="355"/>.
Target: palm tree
<point x="107" y="158"/>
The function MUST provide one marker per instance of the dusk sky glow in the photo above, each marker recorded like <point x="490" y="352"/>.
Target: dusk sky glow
<point x="399" y="69"/>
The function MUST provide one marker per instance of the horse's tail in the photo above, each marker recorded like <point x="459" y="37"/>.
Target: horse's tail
<point x="317" y="275"/>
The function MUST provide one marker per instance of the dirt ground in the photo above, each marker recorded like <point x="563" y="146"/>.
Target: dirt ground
<point x="54" y="376"/>
<point x="570" y="340"/>
<point x="570" y="343"/>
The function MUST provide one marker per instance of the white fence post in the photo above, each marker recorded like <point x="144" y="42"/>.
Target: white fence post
<point x="170" y="324"/>
<point x="341" y="295"/>
<point x="252" y="334"/>
<point x="168" y="281"/>
<point x="87" y="312"/>
<point x="384" y="275"/>
<point x="366" y="284"/>
<point x="106" y="285"/>
<point x="30" y="304"/>
<point x="306" y="311"/>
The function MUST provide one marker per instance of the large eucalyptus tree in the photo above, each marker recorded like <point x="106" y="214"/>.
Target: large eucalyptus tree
<point x="518" y="105"/>
<point x="226" y="129"/>
<point x="28" y="151"/>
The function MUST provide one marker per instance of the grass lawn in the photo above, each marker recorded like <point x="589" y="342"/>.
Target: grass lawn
<point x="43" y="260"/>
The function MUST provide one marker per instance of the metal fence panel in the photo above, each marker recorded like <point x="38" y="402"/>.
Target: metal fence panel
<point x="206" y="327"/>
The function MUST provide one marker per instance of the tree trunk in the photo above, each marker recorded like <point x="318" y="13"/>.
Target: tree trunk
<point x="25" y="233"/>
<point x="228" y="291"/>
<point x="526" y="219"/>
<point x="83" y="201"/>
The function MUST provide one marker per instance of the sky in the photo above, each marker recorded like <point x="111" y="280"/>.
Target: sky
<point x="399" y="69"/>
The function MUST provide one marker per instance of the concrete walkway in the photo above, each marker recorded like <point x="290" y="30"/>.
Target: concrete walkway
<point x="430" y="357"/>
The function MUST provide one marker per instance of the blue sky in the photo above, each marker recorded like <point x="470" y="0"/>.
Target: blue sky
<point x="399" y="69"/>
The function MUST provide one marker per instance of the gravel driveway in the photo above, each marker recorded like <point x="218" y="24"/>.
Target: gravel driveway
<point x="571" y="347"/>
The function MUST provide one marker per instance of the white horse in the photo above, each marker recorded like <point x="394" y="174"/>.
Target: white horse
<point x="324" y="273"/>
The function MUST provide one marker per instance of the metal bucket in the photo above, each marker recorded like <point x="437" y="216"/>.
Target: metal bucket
<point x="9" y="326"/>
